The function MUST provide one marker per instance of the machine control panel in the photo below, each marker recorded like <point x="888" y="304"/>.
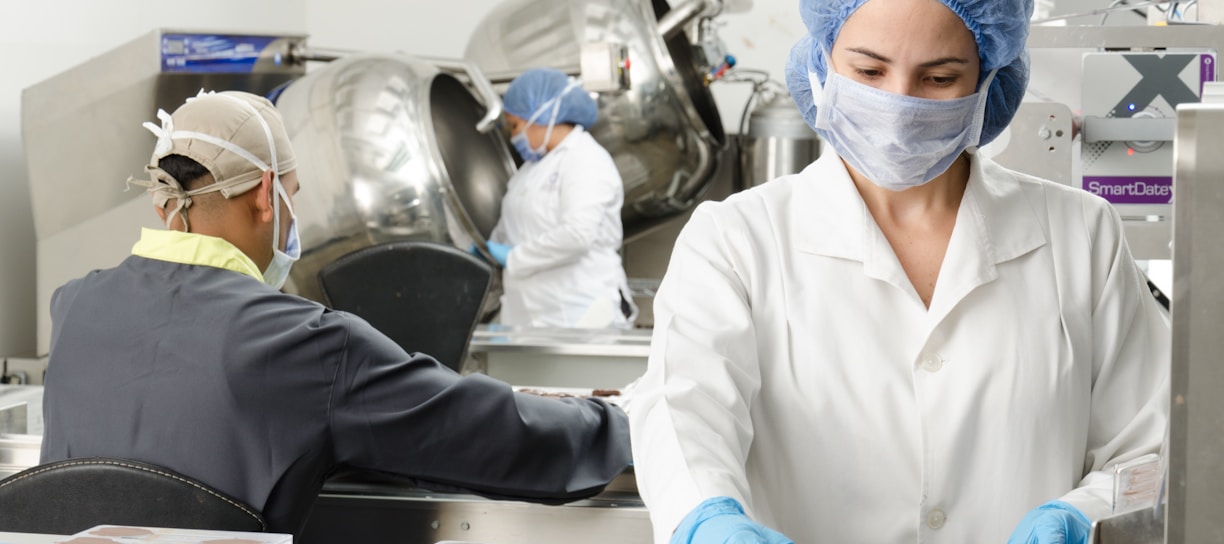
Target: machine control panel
<point x="224" y="53"/>
<point x="1130" y="104"/>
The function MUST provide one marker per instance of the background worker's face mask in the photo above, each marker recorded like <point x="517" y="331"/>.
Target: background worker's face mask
<point x="524" y="149"/>
<point x="894" y="140"/>
<point x="520" y="142"/>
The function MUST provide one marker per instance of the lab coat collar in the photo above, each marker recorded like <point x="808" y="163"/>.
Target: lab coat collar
<point x="833" y="216"/>
<point x="1010" y="226"/>
<point x="836" y="222"/>
<point x="994" y="224"/>
<point x="569" y="139"/>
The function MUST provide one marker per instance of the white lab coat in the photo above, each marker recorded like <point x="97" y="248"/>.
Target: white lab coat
<point x="562" y="217"/>
<point x="793" y="366"/>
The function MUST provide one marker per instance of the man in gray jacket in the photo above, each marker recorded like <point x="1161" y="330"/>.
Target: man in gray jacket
<point x="188" y="356"/>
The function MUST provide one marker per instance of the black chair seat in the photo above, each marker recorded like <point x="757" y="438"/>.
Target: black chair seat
<point x="425" y="296"/>
<point x="66" y="497"/>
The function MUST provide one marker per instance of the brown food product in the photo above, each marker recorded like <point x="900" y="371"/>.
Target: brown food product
<point x="540" y="393"/>
<point x="605" y="393"/>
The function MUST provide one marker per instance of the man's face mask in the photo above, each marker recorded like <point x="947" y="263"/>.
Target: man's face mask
<point x="282" y="261"/>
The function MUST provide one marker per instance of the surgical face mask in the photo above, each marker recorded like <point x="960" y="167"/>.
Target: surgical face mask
<point x="524" y="149"/>
<point x="282" y="261"/>
<point x="520" y="142"/>
<point x="896" y="141"/>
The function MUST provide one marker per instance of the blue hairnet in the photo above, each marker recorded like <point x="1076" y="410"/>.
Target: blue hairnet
<point x="536" y="88"/>
<point x="1000" y="28"/>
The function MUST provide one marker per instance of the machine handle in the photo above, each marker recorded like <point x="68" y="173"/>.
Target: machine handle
<point x="479" y="81"/>
<point x="1129" y="129"/>
<point x="482" y="85"/>
<point x="675" y="20"/>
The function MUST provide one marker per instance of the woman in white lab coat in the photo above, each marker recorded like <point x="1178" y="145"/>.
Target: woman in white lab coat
<point x="905" y="342"/>
<point x="560" y="226"/>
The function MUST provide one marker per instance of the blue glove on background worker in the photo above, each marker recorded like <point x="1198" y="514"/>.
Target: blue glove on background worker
<point x="721" y="520"/>
<point x="1054" y="522"/>
<point x="500" y="252"/>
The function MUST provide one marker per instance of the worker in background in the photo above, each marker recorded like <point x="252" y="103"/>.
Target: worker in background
<point x="905" y="342"/>
<point x="560" y="226"/>
<point x="188" y="356"/>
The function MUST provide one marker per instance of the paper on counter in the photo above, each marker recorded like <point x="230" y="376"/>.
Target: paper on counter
<point x="124" y="534"/>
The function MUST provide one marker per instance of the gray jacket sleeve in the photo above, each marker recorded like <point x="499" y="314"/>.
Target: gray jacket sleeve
<point x="411" y="416"/>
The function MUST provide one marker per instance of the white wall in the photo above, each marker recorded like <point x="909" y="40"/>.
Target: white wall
<point x="40" y="39"/>
<point x="439" y="30"/>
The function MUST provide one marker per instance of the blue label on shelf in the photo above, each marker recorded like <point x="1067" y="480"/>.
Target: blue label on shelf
<point x="209" y="53"/>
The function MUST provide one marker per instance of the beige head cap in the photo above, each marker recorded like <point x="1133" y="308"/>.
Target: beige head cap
<point x="236" y="136"/>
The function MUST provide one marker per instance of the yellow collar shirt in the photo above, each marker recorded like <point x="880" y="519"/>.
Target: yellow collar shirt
<point x="197" y="249"/>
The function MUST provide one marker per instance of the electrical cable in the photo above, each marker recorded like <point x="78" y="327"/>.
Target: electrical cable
<point x="1100" y="11"/>
<point x="1119" y="5"/>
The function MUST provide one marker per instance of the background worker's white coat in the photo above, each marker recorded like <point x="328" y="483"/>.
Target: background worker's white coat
<point x="562" y="217"/>
<point x="794" y="368"/>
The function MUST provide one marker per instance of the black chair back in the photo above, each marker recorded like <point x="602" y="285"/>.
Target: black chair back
<point x="425" y="296"/>
<point x="66" y="497"/>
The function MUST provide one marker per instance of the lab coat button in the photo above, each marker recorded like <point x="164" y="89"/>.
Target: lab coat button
<point x="931" y="362"/>
<point x="936" y="518"/>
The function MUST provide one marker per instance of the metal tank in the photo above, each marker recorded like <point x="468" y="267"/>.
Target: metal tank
<point x="388" y="149"/>
<point x="664" y="132"/>
<point x="778" y="142"/>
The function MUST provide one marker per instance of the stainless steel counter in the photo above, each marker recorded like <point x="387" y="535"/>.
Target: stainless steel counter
<point x="549" y="341"/>
<point x="367" y="508"/>
<point x="591" y="358"/>
<point x="20" y="427"/>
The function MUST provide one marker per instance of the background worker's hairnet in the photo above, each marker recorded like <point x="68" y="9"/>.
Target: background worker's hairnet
<point x="1000" y="28"/>
<point x="537" y="87"/>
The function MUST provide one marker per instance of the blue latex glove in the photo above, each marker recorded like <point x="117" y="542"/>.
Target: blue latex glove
<point x="500" y="252"/>
<point x="1054" y="522"/>
<point x="721" y="520"/>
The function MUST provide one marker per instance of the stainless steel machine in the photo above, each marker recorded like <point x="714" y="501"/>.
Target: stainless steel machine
<point x="1187" y="227"/>
<point x="1126" y="125"/>
<point x="392" y="147"/>
<point x="777" y="142"/>
<point x="664" y="132"/>
<point x="398" y="147"/>
<point x="1196" y="430"/>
